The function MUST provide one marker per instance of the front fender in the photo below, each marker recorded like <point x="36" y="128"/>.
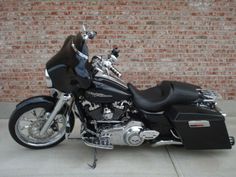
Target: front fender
<point x="37" y="99"/>
<point x="50" y="101"/>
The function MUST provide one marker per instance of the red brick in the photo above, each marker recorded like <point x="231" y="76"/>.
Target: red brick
<point x="159" y="40"/>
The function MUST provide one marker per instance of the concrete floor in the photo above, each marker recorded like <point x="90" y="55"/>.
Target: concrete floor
<point x="70" y="158"/>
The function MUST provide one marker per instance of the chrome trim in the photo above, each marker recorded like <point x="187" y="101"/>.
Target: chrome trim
<point x="209" y="95"/>
<point x="95" y="94"/>
<point x="132" y="134"/>
<point x="29" y="132"/>
<point x="220" y="111"/>
<point x="78" y="52"/>
<point x="96" y="142"/>
<point x="106" y="121"/>
<point x="174" y="135"/>
<point x="125" y="135"/>
<point x="97" y="145"/>
<point x="107" y="113"/>
<point x="56" y="67"/>
<point x="120" y="104"/>
<point x="149" y="134"/>
<point x="91" y="106"/>
<point x="98" y="69"/>
<point x="63" y="98"/>
<point x="114" y="79"/>
<point x="199" y="123"/>
<point x="231" y="140"/>
<point x="48" y="79"/>
<point x="153" y="113"/>
<point x="167" y="142"/>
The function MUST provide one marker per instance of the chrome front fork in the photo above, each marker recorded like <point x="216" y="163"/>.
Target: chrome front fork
<point x="60" y="103"/>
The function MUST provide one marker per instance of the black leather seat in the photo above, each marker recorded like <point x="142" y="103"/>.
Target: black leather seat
<point x="158" y="98"/>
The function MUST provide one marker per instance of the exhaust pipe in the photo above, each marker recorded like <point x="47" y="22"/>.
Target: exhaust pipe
<point x="231" y="140"/>
<point x="166" y="142"/>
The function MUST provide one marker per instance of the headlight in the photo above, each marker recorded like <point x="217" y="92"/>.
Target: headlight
<point x="48" y="79"/>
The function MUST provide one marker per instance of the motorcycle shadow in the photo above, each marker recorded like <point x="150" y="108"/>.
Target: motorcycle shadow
<point x="181" y="151"/>
<point x="169" y="149"/>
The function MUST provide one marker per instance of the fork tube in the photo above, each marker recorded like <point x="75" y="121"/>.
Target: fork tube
<point x="60" y="103"/>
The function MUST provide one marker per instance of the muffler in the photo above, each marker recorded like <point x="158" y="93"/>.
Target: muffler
<point x="166" y="142"/>
<point x="231" y="140"/>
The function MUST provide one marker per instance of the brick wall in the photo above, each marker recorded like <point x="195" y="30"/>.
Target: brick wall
<point x="185" y="40"/>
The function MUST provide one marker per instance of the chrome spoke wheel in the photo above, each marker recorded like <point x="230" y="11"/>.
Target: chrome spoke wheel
<point x="29" y="125"/>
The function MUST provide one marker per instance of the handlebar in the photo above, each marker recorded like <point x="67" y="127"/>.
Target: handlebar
<point x="107" y="64"/>
<point x="115" y="71"/>
<point x="112" y="58"/>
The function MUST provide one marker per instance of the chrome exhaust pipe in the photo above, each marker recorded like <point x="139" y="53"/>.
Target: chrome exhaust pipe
<point x="231" y="140"/>
<point x="166" y="142"/>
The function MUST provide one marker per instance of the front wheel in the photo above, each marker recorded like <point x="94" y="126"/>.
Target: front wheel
<point x="25" y="125"/>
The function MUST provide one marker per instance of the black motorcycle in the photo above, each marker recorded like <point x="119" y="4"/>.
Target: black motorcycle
<point x="112" y="112"/>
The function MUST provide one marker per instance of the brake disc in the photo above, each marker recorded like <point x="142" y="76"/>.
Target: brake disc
<point x="35" y="128"/>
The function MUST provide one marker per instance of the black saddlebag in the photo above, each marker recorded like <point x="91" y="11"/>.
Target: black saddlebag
<point x="199" y="128"/>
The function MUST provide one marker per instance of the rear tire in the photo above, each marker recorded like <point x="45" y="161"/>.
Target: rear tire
<point x="16" y="117"/>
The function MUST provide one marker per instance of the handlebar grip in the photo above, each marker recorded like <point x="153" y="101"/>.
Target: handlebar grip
<point x="115" y="52"/>
<point x="115" y="71"/>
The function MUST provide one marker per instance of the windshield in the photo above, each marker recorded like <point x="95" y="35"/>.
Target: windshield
<point x="81" y="69"/>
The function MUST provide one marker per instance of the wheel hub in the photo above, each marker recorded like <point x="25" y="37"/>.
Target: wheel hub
<point x="35" y="128"/>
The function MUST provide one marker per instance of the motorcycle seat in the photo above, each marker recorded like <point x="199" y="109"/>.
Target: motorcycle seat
<point x="158" y="98"/>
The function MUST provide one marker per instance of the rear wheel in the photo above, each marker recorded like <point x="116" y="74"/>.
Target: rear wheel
<point x="25" y="125"/>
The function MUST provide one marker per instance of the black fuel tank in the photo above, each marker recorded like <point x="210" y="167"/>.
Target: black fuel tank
<point x="106" y="90"/>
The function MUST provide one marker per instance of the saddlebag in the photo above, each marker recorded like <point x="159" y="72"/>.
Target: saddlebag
<point x="199" y="128"/>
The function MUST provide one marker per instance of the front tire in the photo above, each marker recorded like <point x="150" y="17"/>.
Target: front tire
<point x="25" y="124"/>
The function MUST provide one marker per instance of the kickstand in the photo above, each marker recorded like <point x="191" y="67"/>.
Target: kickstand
<point x="94" y="164"/>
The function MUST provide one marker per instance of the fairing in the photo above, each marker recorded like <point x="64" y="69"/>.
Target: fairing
<point x="67" y="70"/>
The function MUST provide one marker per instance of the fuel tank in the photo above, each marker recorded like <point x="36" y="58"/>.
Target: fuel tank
<point x="107" y="89"/>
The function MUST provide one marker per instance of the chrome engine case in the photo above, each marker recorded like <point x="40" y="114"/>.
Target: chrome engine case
<point x="131" y="134"/>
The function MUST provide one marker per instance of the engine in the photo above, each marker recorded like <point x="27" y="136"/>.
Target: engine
<point x="112" y="125"/>
<point x="105" y="112"/>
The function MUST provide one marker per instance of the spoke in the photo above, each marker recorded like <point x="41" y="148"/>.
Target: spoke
<point x="28" y="128"/>
<point x="34" y="113"/>
<point x="42" y="113"/>
<point x="60" y="120"/>
<point x="48" y="135"/>
<point x="25" y="127"/>
<point x="27" y="119"/>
